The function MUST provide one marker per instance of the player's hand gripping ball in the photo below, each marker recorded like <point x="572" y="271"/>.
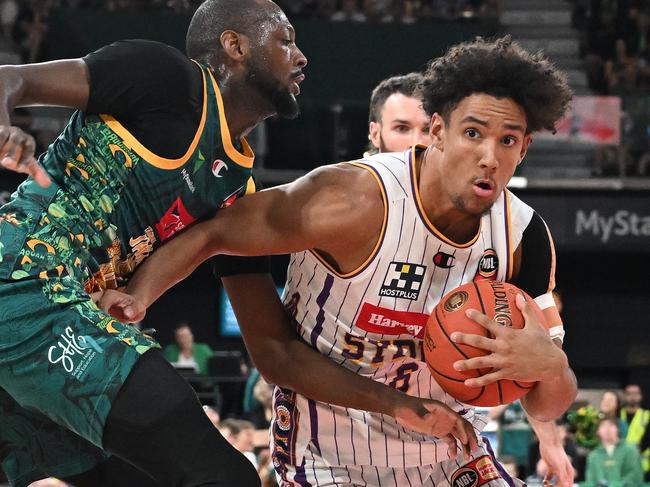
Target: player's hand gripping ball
<point x="497" y="301"/>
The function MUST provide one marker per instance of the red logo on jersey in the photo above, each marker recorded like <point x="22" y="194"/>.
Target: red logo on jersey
<point x="175" y="218"/>
<point x="487" y="266"/>
<point x="390" y="322"/>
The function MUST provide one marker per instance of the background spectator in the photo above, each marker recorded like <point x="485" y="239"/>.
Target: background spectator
<point x="614" y="463"/>
<point x="186" y="353"/>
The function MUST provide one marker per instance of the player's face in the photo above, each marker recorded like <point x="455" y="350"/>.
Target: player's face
<point x="276" y="67"/>
<point x="481" y="146"/>
<point x="403" y="124"/>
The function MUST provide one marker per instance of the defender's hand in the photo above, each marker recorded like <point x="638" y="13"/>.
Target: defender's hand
<point x="17" y="154"/>
<point x="527" y="354"/>
<point x="436" y="419"/>
<point x="559" y="465"/>
<point x="125" y="307"/>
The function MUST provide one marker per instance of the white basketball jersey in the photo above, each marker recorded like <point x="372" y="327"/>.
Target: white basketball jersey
<point x="372" y="320"/>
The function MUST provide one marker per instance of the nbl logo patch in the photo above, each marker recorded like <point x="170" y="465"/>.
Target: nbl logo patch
<point x="403" y="280"/>
<point x="488" y="266"/>
<point x="479" y="471"/>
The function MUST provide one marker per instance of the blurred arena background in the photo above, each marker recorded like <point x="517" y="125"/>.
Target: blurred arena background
<point x="590" y="181"/>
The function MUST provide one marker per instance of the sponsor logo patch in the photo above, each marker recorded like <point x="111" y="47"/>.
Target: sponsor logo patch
<point x="390" y="322"/>
<point x="445" y="261"/>
<point x="403" y="280"/>
<point x="74" y="352"/>
<point x="218" y="167"/>
<point x="175" y="219"/>
<point x="478" y="472"/>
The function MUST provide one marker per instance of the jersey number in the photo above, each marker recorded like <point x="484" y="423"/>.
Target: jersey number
<point x="401" y="380"/>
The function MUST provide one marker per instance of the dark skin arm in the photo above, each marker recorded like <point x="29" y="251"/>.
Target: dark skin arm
<point x="57" y="83"/>
<point x="285" y="360"/>
<point x="302" y="215"/>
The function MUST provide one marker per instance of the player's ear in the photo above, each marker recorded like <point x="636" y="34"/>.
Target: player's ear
<point x="235" y="45"/>
<point x="437" y="131"/>
<point x="524" y="147"/>
<point x="374" y="134"/>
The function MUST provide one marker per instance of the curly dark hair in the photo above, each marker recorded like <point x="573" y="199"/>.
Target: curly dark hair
<point x="500" y="68"/>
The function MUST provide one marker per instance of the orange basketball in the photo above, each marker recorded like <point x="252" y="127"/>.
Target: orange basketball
<point x="497" y="301"/>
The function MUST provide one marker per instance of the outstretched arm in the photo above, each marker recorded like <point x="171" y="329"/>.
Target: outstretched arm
<point x="337" y="209"/>
<point x="57" y="83"/>
<point x="286" y="361"/>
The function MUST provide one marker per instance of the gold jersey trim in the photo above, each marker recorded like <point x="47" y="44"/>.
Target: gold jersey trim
<point x="382" y="233"/>
<point x="423" y="214"/>
<point x="245" y="159"/>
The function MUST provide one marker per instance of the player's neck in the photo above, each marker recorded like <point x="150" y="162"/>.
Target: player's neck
<point x="244" y="107"/>
<point x="436" y="202"/>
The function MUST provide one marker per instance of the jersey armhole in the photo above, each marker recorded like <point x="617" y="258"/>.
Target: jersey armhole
<point x="382" y="233"/>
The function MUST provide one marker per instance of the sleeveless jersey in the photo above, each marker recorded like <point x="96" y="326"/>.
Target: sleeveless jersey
<point x="113" y="201"/>
<point x="372" y="321"/>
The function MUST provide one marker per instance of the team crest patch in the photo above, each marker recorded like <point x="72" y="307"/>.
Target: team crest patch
<point x="488" y="266"/>
<point x="403" y="280"/>
<point x="478" y="472"/>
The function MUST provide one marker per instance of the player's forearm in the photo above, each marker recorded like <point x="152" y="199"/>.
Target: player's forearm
<point x="546" y="431"/>
<point x="285" y="360"/>
<point x="11" y="87"/>
<point x="169" y="265"/>
<point x="549" y="399"/>
<point x="304" y="370"/>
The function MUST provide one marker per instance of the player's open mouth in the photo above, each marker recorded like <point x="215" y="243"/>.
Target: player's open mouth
<point x="483" y="188"/>
<point x="295" y="84"/>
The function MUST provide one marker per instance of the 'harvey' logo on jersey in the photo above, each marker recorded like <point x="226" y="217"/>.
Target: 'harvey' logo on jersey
<point x="403" y="280"/>
<point x="376" y="319"/>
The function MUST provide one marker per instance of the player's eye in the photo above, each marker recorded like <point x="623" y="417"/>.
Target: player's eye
<point x="509" y="141"/>
<point x="472" y="133"/>
<point x="402" y="128"/>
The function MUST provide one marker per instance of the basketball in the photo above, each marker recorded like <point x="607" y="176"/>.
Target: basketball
<point x="497" y="301"/>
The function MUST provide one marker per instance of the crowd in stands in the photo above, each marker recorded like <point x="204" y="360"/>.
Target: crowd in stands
<point x="406" y="11"/>
<point x="24" y="23"/>
<point x="608" y="443"/>
<point x="615" y="36"/>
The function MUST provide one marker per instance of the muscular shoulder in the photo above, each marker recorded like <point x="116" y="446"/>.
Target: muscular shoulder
<point x="353" y="190"/>
<point x="346" y="213"/>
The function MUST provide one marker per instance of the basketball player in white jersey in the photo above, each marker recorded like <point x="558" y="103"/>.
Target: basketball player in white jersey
<point x="376" y="243"/>
<point x="396" y="122"/>
<point x="396" y="119"/>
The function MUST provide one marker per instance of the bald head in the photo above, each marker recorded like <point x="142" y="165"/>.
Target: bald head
<point x="213" y="17"/>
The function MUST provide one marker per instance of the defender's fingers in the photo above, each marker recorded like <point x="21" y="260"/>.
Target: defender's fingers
<point x="451" y="446"/>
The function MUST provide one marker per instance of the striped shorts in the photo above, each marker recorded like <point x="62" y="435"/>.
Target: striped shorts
<point x="482" y="470"/>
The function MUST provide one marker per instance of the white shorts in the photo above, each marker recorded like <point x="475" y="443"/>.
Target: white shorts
<point x="482" y="470"/>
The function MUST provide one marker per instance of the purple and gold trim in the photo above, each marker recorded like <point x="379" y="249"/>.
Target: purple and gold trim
<point x="423" y="216"/>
